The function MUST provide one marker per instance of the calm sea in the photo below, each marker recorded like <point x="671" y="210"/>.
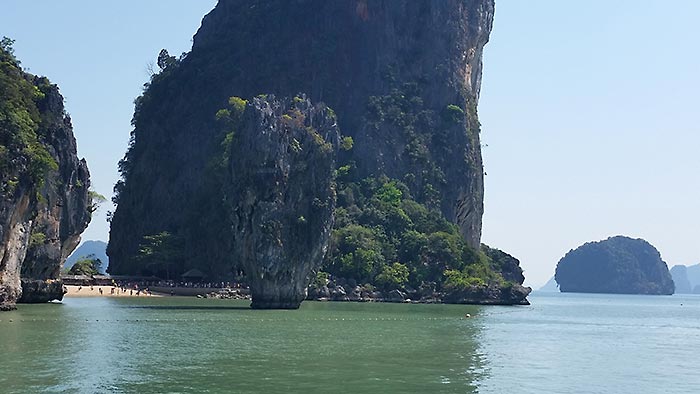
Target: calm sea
<point x="561" y="344"/>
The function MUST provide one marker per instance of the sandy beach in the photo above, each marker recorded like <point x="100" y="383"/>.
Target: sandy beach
<point x="107" y="291"/>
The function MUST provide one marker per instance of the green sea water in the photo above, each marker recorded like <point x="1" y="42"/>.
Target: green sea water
<point x="560" y="344"/>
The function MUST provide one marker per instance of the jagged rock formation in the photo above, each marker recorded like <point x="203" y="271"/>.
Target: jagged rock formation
<point x="617" y="265"/>
<point x="281" y="196"/>
<point x="403" y="77"/>
<point x="37" y="291"/>
<point x="44" y="199"/>
<point x="397" y="73"/>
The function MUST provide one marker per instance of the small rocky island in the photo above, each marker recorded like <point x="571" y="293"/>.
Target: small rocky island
<point x="619" y="265"/>
<point x="45" y="203"/>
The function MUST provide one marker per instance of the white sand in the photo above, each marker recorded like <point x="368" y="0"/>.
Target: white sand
<point x="94" y="291"/>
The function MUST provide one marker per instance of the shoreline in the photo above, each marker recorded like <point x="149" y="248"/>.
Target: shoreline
<point x="75" y="291"/>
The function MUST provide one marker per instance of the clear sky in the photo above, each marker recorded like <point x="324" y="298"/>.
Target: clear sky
<point x="588" y="109"/>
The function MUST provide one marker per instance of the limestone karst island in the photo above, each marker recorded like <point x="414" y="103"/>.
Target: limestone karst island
<point x="615" y="265"/>
<point x="340" y="151"/>
<point x="292" y="196"/>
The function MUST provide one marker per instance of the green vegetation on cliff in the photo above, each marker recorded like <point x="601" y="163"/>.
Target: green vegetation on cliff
<point x="21" y="148"/>
<point x="45" y="202"/>
<point x="383" y="237"/>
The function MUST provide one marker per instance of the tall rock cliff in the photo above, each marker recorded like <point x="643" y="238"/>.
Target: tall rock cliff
<point x="403" y="77"/>
<point x="44" y="198"/>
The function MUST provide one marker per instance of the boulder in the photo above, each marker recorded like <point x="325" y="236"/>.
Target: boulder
<point x="395" y="296"/>
<point x="36" y="291"/>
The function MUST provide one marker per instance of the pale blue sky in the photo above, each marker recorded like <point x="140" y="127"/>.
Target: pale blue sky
<point x="587" y="107"/>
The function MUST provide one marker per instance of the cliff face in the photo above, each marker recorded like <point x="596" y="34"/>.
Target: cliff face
<point x="402" y="75"/>
<point x="392" y="69"/>
<point x="281" y="197"/>
<point x="617" y="265"/>
<point x="44" y="200"/>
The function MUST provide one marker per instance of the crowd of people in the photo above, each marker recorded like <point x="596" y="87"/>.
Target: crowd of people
<point x="115" y="289"/>
<point x="137" y="287"/>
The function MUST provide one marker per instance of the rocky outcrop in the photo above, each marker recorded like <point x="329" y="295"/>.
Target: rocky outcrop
<point x="487" y="294"/>
<point x="509" y="292"/>
<point x="402" y="75"/>
<point x="617" y="265"/>
<point x="37" y="291"/>
<point x="514" y="294"/>
<point x="44" y="199"/>
<point x="281" y="196"/>
<point x="507" y="265"/>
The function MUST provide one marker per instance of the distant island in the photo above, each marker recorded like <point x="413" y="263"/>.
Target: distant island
<point x="619" y="265"/>
<point x="686" y="278"/>
<point x="98" y="249"/>
<point x="551" y="285"/>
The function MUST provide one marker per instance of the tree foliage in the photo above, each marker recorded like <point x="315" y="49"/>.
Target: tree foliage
<point x="160" y="252"/>
<point x="384" y="237"/>
<point x="88" y="265"/>
<point x="22" y="151"/>
<point x="96" y="199"/>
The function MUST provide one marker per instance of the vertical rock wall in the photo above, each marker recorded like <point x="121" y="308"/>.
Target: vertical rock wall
<point x="403" y="76"/>
<point x="43" y="207"/>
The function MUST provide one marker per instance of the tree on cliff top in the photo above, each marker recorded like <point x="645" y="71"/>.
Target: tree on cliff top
<point x="21" y="148"/>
